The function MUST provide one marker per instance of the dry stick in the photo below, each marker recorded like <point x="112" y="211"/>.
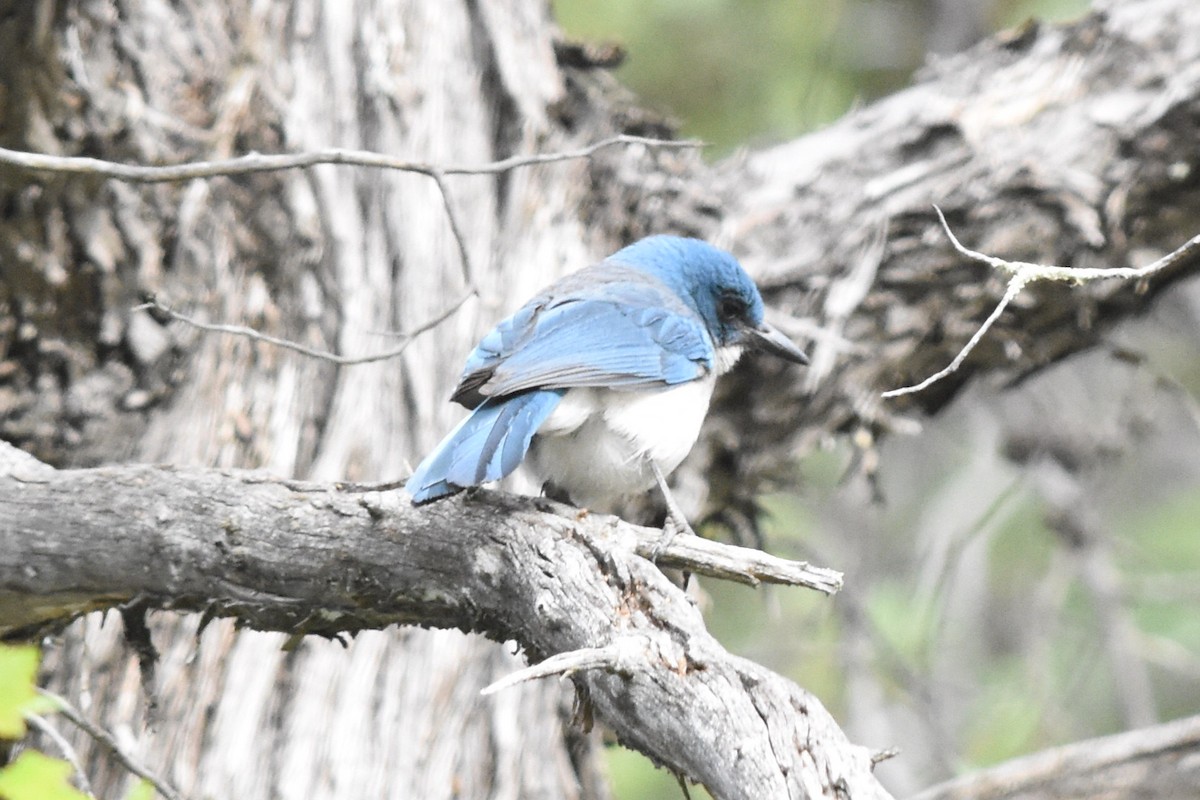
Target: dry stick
<point x="439" y="177"/>
<point x="727" y="562"/>
<point x="1014" y="288"/>
<point x="257" y="162"/>
<point x="610" y="657"/>
<point x="60" y="741"/>
<point x="1024" y="273"/>
<point x="109" y="742"/>
<point x="242" y="330"/>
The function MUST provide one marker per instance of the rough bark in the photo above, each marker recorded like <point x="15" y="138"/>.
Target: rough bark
<point x="329" y="257"/>
<point x="1069" y="145"/>
<point x="311" y="560"/>
<point x="1060" y="145"/>
<point x="1158" y="762"/>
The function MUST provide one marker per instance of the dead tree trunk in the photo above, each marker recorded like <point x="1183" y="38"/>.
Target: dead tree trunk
<point x="1071" y="145"/>
<point x="330" y="257"/>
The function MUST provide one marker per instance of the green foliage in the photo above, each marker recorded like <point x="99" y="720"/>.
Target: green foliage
<point x="142" y="790"/>
<point x="903" y="623"/>
<point x="34" y="776"/>
<point x="18" y="689"/>
<point x="633" y="775"/>
<point x="732" y="72"/>
<point x="1005" y="718"/>
<point x="1014" y="12"/>
<point x="741" y="71"/>
<point x="1166" y="538"/>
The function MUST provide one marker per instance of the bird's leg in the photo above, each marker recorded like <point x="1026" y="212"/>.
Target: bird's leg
<point x="556" y="493"/>
<point x="676" y="522"/>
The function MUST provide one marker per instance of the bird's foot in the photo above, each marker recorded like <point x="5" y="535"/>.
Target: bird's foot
<point x="676" y="522"/>
<point x="672" y="527"/>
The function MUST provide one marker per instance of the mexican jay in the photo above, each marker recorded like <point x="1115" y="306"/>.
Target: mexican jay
<point x="601" y="381"/>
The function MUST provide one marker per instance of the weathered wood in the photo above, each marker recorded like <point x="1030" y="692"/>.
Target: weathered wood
<point x="312" y="560"/>
<point x="1057" y="144"/>
<point x="330" y="257"/>
<point x="1071" y="145"/>
<point x="1161" y="762"/>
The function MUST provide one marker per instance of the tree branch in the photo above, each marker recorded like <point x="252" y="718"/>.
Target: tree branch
<point x="1024" y="273"/>
<point x="253" y="163"/>
<point x="260" y="162"/>
<point x="406" y="337"/>
<point x="305" y="560"/>
<point x="1069" y="145"/>
<point x="1158" y="761"/>
<point x="112" y="745"/>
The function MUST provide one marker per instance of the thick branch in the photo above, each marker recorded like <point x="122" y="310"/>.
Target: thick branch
<point x="1156" y="762"/>
<point x="1066" y="144"/>
<point x="306" y="560"/>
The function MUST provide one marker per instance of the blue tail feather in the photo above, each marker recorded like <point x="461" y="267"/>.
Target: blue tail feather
<point x="486" y="446"/>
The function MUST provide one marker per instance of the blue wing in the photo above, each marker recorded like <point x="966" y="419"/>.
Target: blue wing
<point x="612" y="327"/>
<point x="485" y="446"/>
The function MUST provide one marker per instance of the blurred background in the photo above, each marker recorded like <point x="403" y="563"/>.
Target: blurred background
<point x="1025" y="571"/>
<point x="752" y="72"/>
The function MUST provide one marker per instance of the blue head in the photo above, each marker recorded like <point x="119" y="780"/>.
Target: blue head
<point x="714" y="285"/>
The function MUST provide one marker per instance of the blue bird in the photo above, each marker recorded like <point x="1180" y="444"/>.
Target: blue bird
<point x="600" y="382"/>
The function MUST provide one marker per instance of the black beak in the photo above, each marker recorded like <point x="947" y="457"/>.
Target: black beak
<point x="768" y="338"/>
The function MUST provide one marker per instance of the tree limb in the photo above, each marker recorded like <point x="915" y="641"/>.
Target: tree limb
<point x="285" y="557"/>
<point x="1160" y="761"/>
<point x="110" y="743"/>
<point x="1068" y="144"/>
<point x="273" y="162"/>
<point x="1023" y="273"/>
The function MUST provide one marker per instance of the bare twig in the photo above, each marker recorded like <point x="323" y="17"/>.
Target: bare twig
<point x="439" y="177"/>
<point x="608" y="657"/>
<point x="1014" y="288"/>
<point x="68" y="752"/>
<point x="883" y="755"/>
<point x="1023" y="273"/>
<point x="728" y="562"/>
<point x="259" y="162"/>
<point x="110" y="743"/>
<point x="406" y="337"/>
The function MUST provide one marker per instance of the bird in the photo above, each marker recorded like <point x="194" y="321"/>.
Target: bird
<point x="600" y="383"/>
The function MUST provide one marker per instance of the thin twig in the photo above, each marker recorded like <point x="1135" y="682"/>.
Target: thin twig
<point x="406" y="337"/>
<point x="746" y="565"/>
<point x="879" y="756"/>
<point x="109" y="742"/>
<point x="611" y="656"/>
<point x="259" y="162"/>
<point x="439" y="177"/>
<point x="1050" y="272"/>
<point x="1014" y="288"/>
<point x="1024" y="273"/>
<point x="68" y="752"/>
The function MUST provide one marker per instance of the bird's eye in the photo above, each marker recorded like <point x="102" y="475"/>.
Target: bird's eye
<point x="731" y="307"/>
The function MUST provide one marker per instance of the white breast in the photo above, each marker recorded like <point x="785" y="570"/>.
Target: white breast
<point x="597" y="443"/>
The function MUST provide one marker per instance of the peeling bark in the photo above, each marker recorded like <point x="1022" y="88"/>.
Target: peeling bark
<point x="312" y="560"/>
<point x="1158" y="762"/>
<point x="1069" y="145"/>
